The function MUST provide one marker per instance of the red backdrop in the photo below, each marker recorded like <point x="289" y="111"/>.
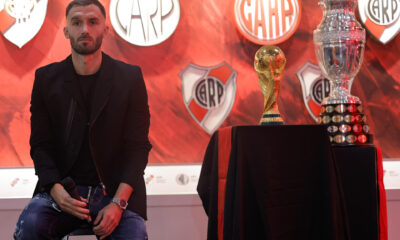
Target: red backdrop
<point x="206" y="36"/>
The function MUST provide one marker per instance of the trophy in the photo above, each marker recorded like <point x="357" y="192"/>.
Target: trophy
<point x="339" y="46"/>
<point x="269" y="63"/>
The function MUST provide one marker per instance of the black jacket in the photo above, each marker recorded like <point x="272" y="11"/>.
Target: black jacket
<point x="118" y="126"/>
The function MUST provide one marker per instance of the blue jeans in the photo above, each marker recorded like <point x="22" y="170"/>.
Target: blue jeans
<point x="42" y="218"/>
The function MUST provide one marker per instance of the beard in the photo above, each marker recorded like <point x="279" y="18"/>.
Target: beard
<point x="85" y="48"/>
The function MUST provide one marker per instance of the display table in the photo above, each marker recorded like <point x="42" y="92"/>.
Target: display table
<point x="359" y="173"/>
<point x="284" y="183"/>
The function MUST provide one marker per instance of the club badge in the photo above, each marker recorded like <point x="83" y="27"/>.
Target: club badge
<point x="21" y="20"/>
<point x="381" y="18"/>
<point x="144" y="22"/>
<point x="267" y="22"/>
<point x="315" y="88"/>
<point x="209" y="93"/>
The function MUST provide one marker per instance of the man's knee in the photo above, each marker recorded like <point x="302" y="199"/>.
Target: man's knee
<point x="132" y="226"/>
<point x="28" y="226"/>
<point x="33" y="221"/>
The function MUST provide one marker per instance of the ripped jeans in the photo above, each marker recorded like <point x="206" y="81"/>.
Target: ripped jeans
<point x="42" y="218"/>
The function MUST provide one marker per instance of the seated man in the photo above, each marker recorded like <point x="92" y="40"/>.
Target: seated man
<point x="90" y="122"/>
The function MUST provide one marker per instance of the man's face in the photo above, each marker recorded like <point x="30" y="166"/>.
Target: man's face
<point x="85" y="29"/>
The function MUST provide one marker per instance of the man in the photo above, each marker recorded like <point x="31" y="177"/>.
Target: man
<point x="90" y="122"/>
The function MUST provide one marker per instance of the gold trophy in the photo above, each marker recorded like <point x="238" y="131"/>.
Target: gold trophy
<point x="269" y="63"/>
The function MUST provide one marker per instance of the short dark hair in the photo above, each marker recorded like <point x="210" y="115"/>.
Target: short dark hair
<point x="85" y="3"/>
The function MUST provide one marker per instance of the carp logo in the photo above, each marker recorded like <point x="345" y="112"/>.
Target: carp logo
<point x="267" y="22"/>
<point x="315" y="88"/>
<point x="381" y="18"/>
<point x="209" y="93"/>
<point x="144" y="22"/>
<point x="21" y="20"/>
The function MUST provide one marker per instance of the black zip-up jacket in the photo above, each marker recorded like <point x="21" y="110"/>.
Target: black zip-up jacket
<point x="118" y="126"/>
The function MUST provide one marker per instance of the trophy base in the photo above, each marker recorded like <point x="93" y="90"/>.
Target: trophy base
<point x="341" y="99"/>
<point x="346" y="124"/>
<point x="271" y="119"/>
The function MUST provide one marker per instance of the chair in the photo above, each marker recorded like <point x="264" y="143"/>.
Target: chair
<point x="83" y="230"/>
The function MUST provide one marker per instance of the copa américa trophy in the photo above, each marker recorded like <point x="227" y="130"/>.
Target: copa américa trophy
<point x="339" y="46"/>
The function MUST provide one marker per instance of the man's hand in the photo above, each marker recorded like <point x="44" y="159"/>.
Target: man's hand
<point x="107" y="220"/>
<point x="69" y="204"/>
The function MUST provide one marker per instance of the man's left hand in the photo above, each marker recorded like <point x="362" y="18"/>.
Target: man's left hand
<point x="107" y="220"/>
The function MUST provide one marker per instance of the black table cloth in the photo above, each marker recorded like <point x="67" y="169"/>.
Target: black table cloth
<point x="359" y="176"/>
<point x="283" y="183"/>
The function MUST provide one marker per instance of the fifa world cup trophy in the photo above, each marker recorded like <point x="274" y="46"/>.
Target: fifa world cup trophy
<point x="269" y="63"/>
<point x="339" y="46"/>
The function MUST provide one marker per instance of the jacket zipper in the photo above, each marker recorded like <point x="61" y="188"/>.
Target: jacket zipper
<point x="103" y="187"/>
<point x="71" y="114"/>
<point x="88" y="195"/>
<point x="91" y="149"/>
<point x="70" y="118"/>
